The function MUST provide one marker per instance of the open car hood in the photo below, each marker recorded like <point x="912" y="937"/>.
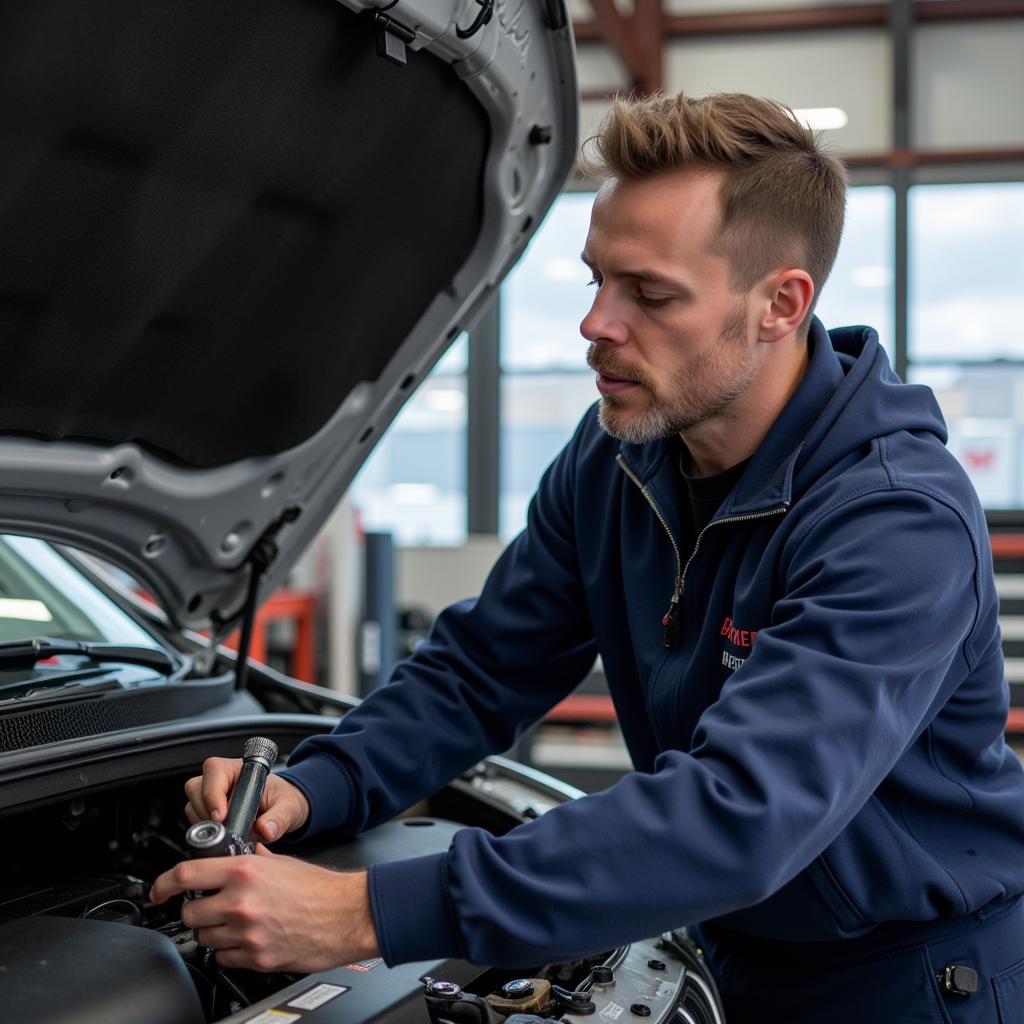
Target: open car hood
<point x="234" y="237"/>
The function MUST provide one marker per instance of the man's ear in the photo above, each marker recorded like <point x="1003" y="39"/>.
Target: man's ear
<point x="788" y="295"/>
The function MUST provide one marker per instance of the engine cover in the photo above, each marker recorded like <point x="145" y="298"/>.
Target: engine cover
<point x="81" y="972"/>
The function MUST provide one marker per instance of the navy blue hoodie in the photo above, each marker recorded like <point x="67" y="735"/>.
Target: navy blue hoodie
<point x="820" y="750"/>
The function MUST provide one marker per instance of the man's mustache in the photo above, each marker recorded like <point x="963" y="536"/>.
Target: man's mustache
<point x="599" y="361"/>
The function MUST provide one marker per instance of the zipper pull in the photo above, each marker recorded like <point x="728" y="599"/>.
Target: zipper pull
<point x="670" y="621"/>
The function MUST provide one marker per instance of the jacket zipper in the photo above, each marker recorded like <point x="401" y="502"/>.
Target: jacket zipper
<point x="670" y="620"/>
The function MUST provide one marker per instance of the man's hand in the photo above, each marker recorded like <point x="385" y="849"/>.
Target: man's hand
<point x="274" y="913"/>
<point x="283" y="807"/>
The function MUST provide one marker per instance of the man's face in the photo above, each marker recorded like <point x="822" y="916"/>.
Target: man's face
<point x="669" y="339"/>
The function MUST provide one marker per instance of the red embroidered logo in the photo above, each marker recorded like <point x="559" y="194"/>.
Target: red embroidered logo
<point x="736" y="636"/>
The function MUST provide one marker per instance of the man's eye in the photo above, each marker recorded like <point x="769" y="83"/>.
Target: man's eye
<point x="593" y="281"/>
<point x="652" y="300"/>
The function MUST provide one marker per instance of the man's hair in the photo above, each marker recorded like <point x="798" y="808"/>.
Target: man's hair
<point x="783" y="198"/>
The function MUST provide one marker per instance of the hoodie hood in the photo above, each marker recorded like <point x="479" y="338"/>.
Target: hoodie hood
<point x="849" y="396"/>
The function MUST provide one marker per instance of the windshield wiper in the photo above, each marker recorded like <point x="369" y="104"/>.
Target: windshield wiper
<point x="27" y="653"/>
<point x="77" y="683"/>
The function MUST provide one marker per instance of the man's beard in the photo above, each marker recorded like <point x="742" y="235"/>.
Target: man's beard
<point x="696" y="393"/>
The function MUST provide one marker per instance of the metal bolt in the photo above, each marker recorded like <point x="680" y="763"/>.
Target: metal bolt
<point x="444" y="989"/>
<point x="518" y="989"/>
<point x="603" y="975"/>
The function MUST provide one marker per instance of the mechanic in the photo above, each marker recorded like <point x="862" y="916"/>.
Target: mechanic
<point x="789" y="582"/>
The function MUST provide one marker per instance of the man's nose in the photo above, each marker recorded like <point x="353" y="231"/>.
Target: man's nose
<point x="603" y="322"/>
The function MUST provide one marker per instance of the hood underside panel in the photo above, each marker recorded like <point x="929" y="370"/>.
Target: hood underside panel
<point x="234" y="238"/>
<point x="221" y="216"/>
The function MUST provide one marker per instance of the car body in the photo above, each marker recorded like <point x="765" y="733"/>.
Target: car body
<point x="235" y="237"/>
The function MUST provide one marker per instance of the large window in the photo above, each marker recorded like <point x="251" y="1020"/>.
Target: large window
<point x="545" y="386"/>
<point x="966" y="272"/>
<point x="859" y="289"/>
<point x="966" y="325"/>
<point x="414" y="483"/>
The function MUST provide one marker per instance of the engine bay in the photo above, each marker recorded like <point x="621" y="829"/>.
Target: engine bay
<point x="81" y="942"/>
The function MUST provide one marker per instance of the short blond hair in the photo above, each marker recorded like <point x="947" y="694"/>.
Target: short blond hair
<point x="783" y="198"/>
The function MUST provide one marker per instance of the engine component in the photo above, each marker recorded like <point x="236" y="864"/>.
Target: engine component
<point x="577" y="1001"/>
<point x="447" y="1002"/>
<point x="523" y="995"/>
<point x="121" y="974"/>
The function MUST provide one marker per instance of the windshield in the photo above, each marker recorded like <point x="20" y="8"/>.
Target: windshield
<point x="41" y="594"/>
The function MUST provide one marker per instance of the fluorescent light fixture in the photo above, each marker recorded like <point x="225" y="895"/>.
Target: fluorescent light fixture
<point x="822" y="118"/>
<point x="414" y="494"/>
<point x="26" y="610"/>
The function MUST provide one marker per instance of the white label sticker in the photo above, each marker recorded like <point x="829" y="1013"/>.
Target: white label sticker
<point x="274" y="1017"/>
<point x="365" y="965"/>
<point x="612" y="1011"/>
<point x="317" y="996"/>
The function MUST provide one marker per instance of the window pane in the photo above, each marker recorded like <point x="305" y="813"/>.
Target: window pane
<point x="860" y="287"/>
<point x="539" y="414"/>
<point x="850" y="70"/>
<point x="966" y="297"/>
<point x="964" y="74"/>
<point x="546" y="296"/>
<point x="984" y="410"/>
<point x="414" y="483"/>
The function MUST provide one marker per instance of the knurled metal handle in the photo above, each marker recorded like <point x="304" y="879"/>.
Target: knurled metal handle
<point x="261" y="747"/>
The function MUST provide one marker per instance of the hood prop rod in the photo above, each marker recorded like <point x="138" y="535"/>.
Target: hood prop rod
<point x="261" y="557"/>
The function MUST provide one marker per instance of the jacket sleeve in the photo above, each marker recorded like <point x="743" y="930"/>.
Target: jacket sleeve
<point x="491" y="667"/>
<point x="866" y="645"/>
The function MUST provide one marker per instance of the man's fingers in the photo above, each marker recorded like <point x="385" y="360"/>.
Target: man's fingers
<point x="233" y="958"/>
<point x="268" y="827"/>
<point x="219" y="775"/>
<point x="194" y="792"/>
<point x="285" y="810"/>
<point x="219" y="937"/>
<point x="189" y="875"/>
<point x="191" y="814"/>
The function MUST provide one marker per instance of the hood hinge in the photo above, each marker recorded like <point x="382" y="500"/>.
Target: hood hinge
<point x="392" y="37"/>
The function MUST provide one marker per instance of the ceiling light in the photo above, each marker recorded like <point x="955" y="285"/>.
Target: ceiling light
<point x="822" y="118"/>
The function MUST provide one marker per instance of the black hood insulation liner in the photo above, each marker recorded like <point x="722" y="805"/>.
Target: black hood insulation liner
<point x="217" y="218"/>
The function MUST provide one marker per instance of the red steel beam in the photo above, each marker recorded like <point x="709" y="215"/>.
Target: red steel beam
<point x="649" y="27"/>
<point x="1007" y="545"/>
<point x="967" y="10"/>
<point x="918" y="158"/>
<point x="618" y="32"/>
<point x="689" y="26"/>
